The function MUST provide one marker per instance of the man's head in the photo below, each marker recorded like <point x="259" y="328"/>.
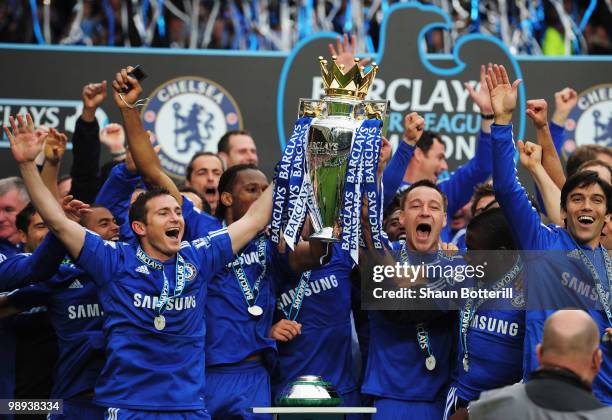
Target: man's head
<point x="391" y="221"/>
<point x="31" y="227"/>
<point x="195" y="197"/>
<point x="156" y="218"/>
<point x="429" y="156"/>
<point x="64" y="184"/>
<point x="101" y="221"/>
<point x="13" y="198"/>
<point x="203" y="173"/>
<point x="586" y="204"/>
<point x="571" y="341"/>
<point x="483" y="199"/>
<point x="423" y="215"/>
<point x="603" y="169"/>
<point x="236" y="147"/>
<point x="585" y="153"/>
<point x="239" y="187"/>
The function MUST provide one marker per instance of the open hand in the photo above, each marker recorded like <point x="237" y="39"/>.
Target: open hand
<point x="74" y="209"/>
<point x="25" y="144"/>
<point x="55" y="146"/>
<point x="481" y="97"/>
<point x="503" y="94"/>
<point x="345" y="51"/>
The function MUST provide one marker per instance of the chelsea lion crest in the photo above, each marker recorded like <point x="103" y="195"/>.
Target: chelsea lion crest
<point x="590" y="122"/>
<point x="189" y="115"/>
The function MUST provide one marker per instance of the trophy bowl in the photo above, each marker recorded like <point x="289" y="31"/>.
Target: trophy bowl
<point x="309" y="391"/>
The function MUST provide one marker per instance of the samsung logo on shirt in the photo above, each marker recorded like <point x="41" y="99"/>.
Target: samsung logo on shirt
<point x="578" y="286"/>
<point x="177" y="303"/>
<point x="247" y="259"/>
<point x="91" y="310"/>
<point x="494" y="325"/>
<point x="314" y="286"/>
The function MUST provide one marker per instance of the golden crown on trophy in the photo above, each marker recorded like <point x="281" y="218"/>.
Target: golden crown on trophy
<point x="352" y="84"/>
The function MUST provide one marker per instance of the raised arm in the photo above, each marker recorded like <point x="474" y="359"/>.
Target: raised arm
<point x="531" y="158"/>
<point x="537" y="110"/>
<point x="254" y="221"/>
<point x="393" y="174"/>
<point x="55" y="146"/>
<point x="86" y="145"/>
<point x="460" y="187"/>
<point x="523" y="219"/>
<point x="25" y="147"/>
<point x="140" y="146"/>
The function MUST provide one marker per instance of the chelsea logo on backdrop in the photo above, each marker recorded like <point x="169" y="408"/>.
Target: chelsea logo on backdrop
<point x="590" y="122"/>
<point x="189" y="115"/>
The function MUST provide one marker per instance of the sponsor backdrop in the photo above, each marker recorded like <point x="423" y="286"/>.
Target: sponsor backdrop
<point x="196" y="96"/>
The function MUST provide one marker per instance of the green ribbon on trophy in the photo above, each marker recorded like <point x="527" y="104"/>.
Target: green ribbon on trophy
<point x="331" y="163"/>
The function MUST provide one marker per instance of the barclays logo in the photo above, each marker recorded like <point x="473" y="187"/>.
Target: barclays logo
<point x="189" y="115"/>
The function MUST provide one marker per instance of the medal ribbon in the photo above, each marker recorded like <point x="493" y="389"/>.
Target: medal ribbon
<point x="470" y="308"/>
<point x="251" y="294"/>
<point x="297" y="203"/>
<point x="298" y="297"/>
<point x="162" y="302"/>
<point x="283" y="172"/>
<point x="370" y="167"/>
<point x="601" y="292"/>
<point x="352" y="193"/>
<point x="423" y="339"/>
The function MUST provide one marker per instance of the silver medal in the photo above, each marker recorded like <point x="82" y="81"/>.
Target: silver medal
<point x="159" y="322"/>
<point x="466" y="363"/>
<point x="430" y="362"/>
<point x="255" y="310"/>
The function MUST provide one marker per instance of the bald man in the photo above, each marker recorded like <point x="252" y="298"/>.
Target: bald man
<point x="569" y="359"/>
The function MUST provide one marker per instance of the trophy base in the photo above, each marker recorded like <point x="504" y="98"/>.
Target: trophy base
<point x="324" y="235"/>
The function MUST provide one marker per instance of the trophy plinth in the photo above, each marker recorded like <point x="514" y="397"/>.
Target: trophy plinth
<point x="309" y="391"/>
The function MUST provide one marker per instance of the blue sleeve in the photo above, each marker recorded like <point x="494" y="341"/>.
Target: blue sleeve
<point x="31" y="296"/>
<point x="395" y="170"/>
<point x="197" y="223"/>
<point x="556" y="132"/>
<point x="215" y="249"/>
<point x="524" y="220"/>
<point x="115" y="195"/>
<point x="23" y="269"/>
<point x="459" y="188"/>
<point x="100" y="258"/>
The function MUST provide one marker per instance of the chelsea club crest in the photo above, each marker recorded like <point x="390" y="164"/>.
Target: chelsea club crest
<point x="189" y="115"/>
<point x="590" y="122"/>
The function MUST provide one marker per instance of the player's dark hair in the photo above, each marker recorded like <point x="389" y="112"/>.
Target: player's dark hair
<point x="189" y="169"/>
<point x="226" y="184"/>
<point x="583" y="154"/>
<point x="481" y="191"/>
<point x="585" y="179"/>
<point x="427" y="141"/>
<point x="84" y="216"/>
<point x="595" y="162"/>
<point x="22" y="221"/>
<point x="205" y="205"/>
<point x="394" y="205"/>
<point x="224" y="141"/>
<point x="424" y="183"/>
<point x="138" y="210"/>
<point x="489" y="231"/>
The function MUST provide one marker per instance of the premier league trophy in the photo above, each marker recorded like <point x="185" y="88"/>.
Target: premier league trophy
<point x="331" y="162"/>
